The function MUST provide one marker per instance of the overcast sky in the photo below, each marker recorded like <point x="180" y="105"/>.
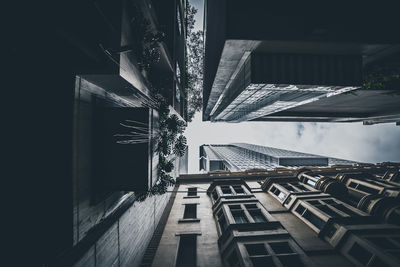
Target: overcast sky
<point x="352" y="141"/>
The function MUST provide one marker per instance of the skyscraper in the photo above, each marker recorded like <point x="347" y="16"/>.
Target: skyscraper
<point x="242" y="157"/>
<point x="320" y="216"/>
<point x="268" y="61"/>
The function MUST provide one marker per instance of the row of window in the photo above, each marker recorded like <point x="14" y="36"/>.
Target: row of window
<point x="187" y="249"/>
<point x="228" y="190"/>
<point x="267" y="253"/>
<point x="368" y="256"/>
<point x="318" y="211"/>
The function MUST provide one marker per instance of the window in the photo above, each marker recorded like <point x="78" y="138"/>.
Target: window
<point x="177" y="93"/>
<point x="215" y="195"/>
<point x="363" y="188"/>
<point x="333" y="208"/>
<point x="259" y="256"/>
<point x="222" y="221"/>
<point x="238" y="189"/>
<point x="310" y="216"/>
<point x="187" y="251"/>
<point x="226" y="190"/>
<point x="192" y="191"/>
<point x="311" y="182"/>
<point x="278" y="193"/>
<point x="239" y="216"/>
<point x="360" y="254"/>
<point x="270" y="253"/>
<point x="331" y="231"/>
<point x="233" y="260"/>
<point x="178" y="19"/>
<point x="178" y="72"/>
<point x="190" y="211"/>
<point x="390" y="245"/>
<point x="256" y="213"/>
<point x="253" y="214"/>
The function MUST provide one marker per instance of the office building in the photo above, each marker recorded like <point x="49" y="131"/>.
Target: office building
<point x="269" y="61"/>
<point x="242" y="157"/>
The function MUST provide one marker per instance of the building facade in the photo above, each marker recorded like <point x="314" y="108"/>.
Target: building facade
<point x="269" y="61"/>
<point x="242" y="157"/>
<point x="92" y="66"/>
<point x="320" y="216"/>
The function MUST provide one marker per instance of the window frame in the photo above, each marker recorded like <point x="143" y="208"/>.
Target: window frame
<point x="189" y="219"/>
<point x="195" y="192"/>
<point x="218" y="192"/>
<point x="271" y="253"/>
<point x="180" y="247"/>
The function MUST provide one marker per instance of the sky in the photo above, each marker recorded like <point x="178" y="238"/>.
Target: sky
<point x="351" y="141"/>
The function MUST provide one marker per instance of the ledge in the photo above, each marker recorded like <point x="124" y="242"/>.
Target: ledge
<point x="189" y="220"/>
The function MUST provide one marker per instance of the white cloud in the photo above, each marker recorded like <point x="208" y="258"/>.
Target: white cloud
<point x="352" y="141"/>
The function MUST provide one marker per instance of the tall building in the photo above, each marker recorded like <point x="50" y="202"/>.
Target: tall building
<point x="319" y="216"/>
<point x="243" y="157"/>
<point x="270" y="61"/>
<point x="91" y="66"/>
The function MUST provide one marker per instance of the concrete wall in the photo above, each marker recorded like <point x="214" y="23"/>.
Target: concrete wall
<point x="124" y="243"/>
<point x="126" y="240"/>
<point x="207" y="247"/>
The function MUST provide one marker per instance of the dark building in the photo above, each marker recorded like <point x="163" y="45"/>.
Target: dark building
<point x="300" y="62"/>
<point x="81" y="68"/>
<point x="243" y="157"/>
<point x="319" y="216"/>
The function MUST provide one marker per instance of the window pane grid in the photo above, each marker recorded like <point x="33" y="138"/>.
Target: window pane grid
<point x="273" y="254"/>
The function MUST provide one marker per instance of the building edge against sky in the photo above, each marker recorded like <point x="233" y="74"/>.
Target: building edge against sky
<point x="243" y="157"/>
<point x="270" y="62"/>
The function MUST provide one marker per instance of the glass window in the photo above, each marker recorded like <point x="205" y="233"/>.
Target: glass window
<point x="233" y="260"/>
<point x="278" y="193"/>
<point x="315" y="220"/>
<point x="360" y="254"/>
<point x="222" y="221"/>
<point x="262" y="261"/>
<point x="281" y="247"/>
<point x="251" y="206"/>
<point x="215" y="195"/>
<point x="273" y="253"/>
<point x="235" y="207"/>
<point x="331" y="231"/>
<point x="178" y="72"/>
<point x="226" y="190"/>
<point x="239" y="216"/>
<point x="367" y="189"/>
<point x="238" y="189"/>
<point x="177" y="93"/>
<point x="300" y="209"/>
<point x="257" y="216"/>
<point x="302" y="187"/>
<point x="178" y="19"/>
<point x="187" y="251"/>
<point x="311" y="182"/>
<point x="382" y="242"/>
<point x="256" y="249"/>
<point x="259" y="255"/>
<point x="190" y="211"/>
<point x="192" y="191"/>
<point x="291" y="261"/>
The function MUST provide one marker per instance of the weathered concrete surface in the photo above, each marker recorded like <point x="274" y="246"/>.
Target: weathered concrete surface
<point x="207" y="247"/>
<point x="125" y="242"/>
